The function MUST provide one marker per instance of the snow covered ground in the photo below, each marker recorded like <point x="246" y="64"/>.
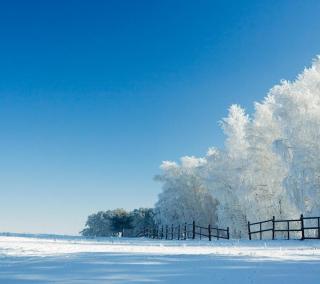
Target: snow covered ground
<point x="35" y="259"/>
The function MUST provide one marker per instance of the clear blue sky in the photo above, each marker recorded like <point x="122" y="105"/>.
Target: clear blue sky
<point x="95" y="94"/>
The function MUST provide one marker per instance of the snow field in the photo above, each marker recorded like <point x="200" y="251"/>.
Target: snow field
<point x="59" y="260"/>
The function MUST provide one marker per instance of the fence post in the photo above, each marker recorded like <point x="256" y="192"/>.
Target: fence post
<point x="171" y="231"/>
<point x="228" y="233"/>
<point x="166" y="232"/>
<point x="179" y="232"/>
<point x="218" y="233"/>
<point x="185" y="231"/>
<point x="193" y="229"/>
<point x="288" y="227"/>
<point x="273" y="226"/>
<point x="249" y="232"/>
<point x="260" y="226"/>
<point x="209" y="232"/>
<point x="302" y="227"/>
<point x="318" y="227"/>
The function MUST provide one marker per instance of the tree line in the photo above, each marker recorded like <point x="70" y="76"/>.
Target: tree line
<point x="118" y="222"/>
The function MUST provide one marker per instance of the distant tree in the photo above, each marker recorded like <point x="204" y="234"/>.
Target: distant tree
<point x="142" y="218"/>
<point x="111" y="222"/>
<point x="98" y="225"/>
<point x="121" y="220"/>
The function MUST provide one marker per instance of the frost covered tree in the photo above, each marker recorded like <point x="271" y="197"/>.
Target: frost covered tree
<point x="265" y="171"/>
<point x="297" y="109"/>
<point x="184" y="197"/>
<point x="269" y="165"/>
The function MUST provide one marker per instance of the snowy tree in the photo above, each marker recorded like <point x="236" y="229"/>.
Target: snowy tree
<point x="184" y="197"/>
<point x="269" y="166"/>
<point x="297" y="108"/>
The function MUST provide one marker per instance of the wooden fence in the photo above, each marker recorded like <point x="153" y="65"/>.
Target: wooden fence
<point x="302" y="228"/>
<point x="185" y="231"/>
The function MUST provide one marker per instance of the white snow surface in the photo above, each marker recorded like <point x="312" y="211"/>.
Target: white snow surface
<point x="36" y="259"/>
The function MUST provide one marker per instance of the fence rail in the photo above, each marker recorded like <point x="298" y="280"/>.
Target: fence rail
<point x="302" y="228"/>
<point x="185" y="231"/>
<point x="297" y="228"/>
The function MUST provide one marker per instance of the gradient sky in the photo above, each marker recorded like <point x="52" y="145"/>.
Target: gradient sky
<point x="95" y="94"/>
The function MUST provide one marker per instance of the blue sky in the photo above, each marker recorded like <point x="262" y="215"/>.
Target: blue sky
<point x="95" y="94"/>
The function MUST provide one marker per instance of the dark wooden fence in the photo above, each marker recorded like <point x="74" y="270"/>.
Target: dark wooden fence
<point x="185" y="231"/>
<point x="302" y="228"/>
